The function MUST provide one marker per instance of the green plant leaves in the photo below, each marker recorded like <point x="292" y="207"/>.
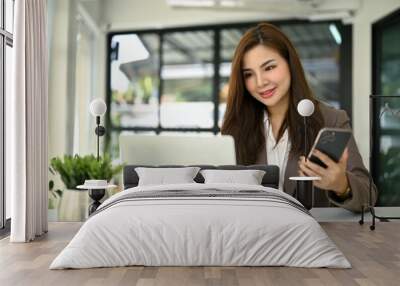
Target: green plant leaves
<point x="74" y="170"/>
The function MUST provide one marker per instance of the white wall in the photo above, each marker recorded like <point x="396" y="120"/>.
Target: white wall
<point x="76" y="74"/>
<point x="136" y="14"/>
<point x="58" y="59"/>
<point x="371" y="11"/>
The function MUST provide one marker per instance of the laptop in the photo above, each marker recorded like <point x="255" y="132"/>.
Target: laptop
<point x="139" y="149"/>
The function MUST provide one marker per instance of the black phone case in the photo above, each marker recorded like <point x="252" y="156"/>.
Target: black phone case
<point x="332" y="143"/>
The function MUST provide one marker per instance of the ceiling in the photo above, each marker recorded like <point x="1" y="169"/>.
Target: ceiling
<point x="133" y="14"/>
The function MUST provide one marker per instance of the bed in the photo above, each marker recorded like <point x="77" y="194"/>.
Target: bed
<point x="201" y="224"/>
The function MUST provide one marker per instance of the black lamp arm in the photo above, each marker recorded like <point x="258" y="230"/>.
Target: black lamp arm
<point x="305" y="139"/>
<point x="100" y="131"/>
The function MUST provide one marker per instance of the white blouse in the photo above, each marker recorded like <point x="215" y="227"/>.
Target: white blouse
<point x="277" y="155"/>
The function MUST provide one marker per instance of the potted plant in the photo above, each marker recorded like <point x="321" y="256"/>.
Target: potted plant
<point x="73" y="171"/>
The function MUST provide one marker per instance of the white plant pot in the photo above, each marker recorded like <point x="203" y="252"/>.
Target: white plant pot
<point x="74" y="205"/>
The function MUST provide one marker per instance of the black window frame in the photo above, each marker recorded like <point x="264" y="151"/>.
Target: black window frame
<point x="345" y="69"/>
<point x="376" y="67"/>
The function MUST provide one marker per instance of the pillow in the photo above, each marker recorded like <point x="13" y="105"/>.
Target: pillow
<point x="248" y="177"/>
<point x="163" y="176"/>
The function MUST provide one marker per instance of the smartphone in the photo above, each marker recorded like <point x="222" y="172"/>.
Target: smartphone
<point x="332" y="142"/>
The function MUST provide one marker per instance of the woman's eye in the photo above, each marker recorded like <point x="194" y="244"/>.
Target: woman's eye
<point x="246" y="75"/>
<point x="268" y="68"/>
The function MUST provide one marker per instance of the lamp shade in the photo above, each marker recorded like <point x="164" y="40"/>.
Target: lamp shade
<point x="305" y="107"/>
<point x="97" y="107"/>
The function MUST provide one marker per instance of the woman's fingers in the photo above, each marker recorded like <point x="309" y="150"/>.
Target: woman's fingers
<point x="307" y="171"/>
<point x="331" y="177"/>
<point x="324" y="158"/>
<point x="316" y="168"/>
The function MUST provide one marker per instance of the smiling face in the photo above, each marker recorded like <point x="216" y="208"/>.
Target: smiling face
<point x="267" y="77"/>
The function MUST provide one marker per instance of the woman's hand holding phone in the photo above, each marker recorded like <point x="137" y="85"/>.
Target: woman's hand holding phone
<point x="333" y="177"/>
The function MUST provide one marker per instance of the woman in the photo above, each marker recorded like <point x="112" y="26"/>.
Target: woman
<point x="266" y="84"/>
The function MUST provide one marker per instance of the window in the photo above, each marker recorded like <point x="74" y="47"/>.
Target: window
<point x="386" y="110"/>
<point x="134" y="80"/>
<point x="176" y="80"/>
<point x="187" y="74"/>
<point x="6" y="43"/>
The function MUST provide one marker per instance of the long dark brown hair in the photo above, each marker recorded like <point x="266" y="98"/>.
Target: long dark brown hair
<point x="244" y="114"/>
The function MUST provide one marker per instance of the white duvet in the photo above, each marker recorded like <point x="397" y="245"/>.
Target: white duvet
<point x="200" y="231"/>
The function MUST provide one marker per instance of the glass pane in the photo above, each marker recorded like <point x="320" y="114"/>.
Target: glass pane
<point x="1" y="16"/>
<point x="389" y="179"/>
<point x="134" y="80"/>
<point x="9" y="15"/>
<point x="8" y="85"/>
<point x="187" y="76"/>
<point x="318" y="45"/>
<point x="389" y="152"/>
<point x="229" y="40"/>
<point x="390" y="73"/>
<point x="388" y="167"/>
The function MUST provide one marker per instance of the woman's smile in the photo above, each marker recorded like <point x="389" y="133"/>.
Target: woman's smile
<point x="268" y="93"/>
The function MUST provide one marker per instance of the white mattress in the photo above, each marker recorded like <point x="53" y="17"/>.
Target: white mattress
<point x="200" y="231"/>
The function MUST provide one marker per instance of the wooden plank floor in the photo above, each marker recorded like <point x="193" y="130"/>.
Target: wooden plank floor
<point x="375" y="257"/>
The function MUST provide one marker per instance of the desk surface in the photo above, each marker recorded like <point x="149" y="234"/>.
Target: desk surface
<point x="340" y="214"/>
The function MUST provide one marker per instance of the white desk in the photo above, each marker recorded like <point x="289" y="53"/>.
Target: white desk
<point x="340" y="214"/>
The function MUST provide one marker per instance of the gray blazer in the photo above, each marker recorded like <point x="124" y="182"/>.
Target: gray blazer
<point x="357" y="175"/>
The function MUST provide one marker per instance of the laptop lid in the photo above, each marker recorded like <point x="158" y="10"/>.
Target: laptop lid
<point x="140" y="149"/>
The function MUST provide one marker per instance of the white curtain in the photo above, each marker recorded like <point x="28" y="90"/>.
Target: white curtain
<point x="28" y="157"/>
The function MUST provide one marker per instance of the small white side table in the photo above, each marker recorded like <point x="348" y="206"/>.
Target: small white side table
<point x="304" y="190"/>
<point x="96" y="193"/>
